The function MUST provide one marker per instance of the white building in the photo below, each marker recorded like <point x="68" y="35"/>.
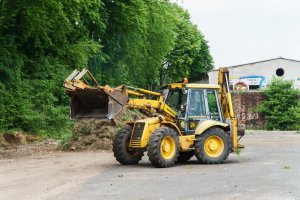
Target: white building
<point x="256" y="75"/>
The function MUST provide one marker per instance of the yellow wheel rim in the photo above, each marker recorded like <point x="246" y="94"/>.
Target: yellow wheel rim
<point x="167" y="147"/>
<point x="213" y="146"/>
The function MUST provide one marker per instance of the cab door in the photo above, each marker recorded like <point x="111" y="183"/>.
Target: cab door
<point x="202" y="105"/>
<point x="196" y="109"/>
<point x="213" y="105"/>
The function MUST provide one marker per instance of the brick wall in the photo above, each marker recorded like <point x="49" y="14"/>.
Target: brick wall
<point x="244" y="103"/>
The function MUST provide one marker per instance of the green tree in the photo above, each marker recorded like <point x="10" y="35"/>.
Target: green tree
<point x="160" y="39"/>
<point x="190" y="56"/>
<point x="41" y="41"/>
<point x="123" y="42"/>
<point x="139" y="35"/>
<point x="281" y="107"/>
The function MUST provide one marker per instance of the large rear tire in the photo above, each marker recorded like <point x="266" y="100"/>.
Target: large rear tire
<point x="163" y="147"/>
<point x="122" y="153"/>
<point x="213" y="146"/>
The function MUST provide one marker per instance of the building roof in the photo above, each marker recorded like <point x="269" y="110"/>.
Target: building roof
<point x="279" y="58"/>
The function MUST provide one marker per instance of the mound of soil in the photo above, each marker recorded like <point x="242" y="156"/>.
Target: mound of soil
<point x="19" y="144"/>
<point x="99" y="134"/>
<point x="16" y="138"/>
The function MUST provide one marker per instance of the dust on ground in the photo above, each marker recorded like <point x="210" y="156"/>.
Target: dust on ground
<point x="99" y="134"/>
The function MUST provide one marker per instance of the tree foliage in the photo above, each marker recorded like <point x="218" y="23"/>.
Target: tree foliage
<point x="123" y="42"/>
<point x="40" y="42"/>
<point x="282" y="106"/>
<point x="189" y="56"/>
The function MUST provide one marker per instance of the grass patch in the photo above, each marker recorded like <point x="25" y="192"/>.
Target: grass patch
<point x="11" y="131"/>
<point x="63" y="135"/>
<point x="238" y="153"/>
<point x="286" y="167"/>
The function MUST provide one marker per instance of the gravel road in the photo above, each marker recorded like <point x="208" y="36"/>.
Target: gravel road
<point x="268" y="168"/>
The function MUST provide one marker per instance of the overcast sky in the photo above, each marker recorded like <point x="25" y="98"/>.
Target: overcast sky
<point x="242" y="31"/>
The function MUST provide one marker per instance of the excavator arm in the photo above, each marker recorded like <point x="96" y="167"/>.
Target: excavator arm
<point x="225" y="99"/>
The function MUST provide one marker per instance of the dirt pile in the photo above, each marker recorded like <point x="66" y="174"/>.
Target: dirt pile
<point x="98" y="134"/>
<point x="18" y="144"/>
<point x="16" y="138"/>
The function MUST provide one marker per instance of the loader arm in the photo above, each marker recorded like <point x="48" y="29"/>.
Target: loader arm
<point x="153" y="106"/>
<point x="104" y="102"/>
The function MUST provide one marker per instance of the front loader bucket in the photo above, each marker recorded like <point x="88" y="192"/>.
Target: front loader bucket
<point x="97" y="103"/>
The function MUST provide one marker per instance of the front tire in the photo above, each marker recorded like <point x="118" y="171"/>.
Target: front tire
<point x="213" y="146"/>
<point x="122" y="153"/>
<point x="163" y="147"/>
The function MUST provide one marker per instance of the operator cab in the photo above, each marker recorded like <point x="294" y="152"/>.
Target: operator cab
<point x="193" y="105"/>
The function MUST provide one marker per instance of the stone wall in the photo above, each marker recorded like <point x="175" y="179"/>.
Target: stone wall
<point x="244" y="103"/>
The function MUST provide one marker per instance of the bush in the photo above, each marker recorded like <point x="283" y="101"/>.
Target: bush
<point x="282" y="106"/>
<point x="36" y="104"/>
<point x="295" y="114"/>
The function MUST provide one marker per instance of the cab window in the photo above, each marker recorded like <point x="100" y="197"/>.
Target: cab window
<point x="176" y="99"/>
<point x="197" y="104"/>
<point x="213" y="105"/>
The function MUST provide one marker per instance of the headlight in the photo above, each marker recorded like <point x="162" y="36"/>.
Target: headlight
<point x="192" y="125"/>
<point x="182" y="124"/>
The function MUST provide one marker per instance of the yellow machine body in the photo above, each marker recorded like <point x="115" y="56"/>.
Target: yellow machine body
<point x="105" y="102"/>
<point x="142" y="130"/>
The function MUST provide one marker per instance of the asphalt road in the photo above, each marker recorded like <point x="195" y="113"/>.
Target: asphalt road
<point x="268" y="168"/>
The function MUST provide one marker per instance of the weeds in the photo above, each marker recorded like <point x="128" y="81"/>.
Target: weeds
<point x="238" y="153"/>
<point x="287" y="167"/>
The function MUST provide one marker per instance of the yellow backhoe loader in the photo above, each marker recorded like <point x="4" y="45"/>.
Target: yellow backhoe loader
<point x="189" y="119"/>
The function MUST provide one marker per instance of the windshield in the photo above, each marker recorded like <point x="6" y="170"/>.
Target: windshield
<point x="176" y="99"/>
